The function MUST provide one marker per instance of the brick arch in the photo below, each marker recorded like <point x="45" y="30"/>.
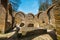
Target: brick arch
<point x="39" y="14"/>
<point x="21" y="14"/>
<point x="31" y="15"/>
<point x="45" y="15"/>
<point x="49" y="9"/>
<point x="19" y="17"/>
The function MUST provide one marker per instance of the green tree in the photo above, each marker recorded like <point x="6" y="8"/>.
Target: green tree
<point x="55" y="1"/>
<point x="44" y="6"/>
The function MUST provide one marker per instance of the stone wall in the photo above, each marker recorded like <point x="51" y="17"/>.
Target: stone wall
<point x="57" y="19"/>
<point x="5" y="19"/>
<point x="2" y="19"/>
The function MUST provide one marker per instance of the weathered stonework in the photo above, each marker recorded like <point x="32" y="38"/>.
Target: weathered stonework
<point x="29" y="20"/>
<point x="2" y="19"/>
<point x="42" y="18"/>
<point x="57" y="18"/>
<point x="5" y="17"/>
<point x="19" y="18"/>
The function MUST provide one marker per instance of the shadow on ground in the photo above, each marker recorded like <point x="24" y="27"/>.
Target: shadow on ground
<point x="32" y="34"/>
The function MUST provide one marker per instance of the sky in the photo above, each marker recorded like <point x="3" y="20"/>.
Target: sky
<point x="26" y="6"/>
<point x="29" y="6"/>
